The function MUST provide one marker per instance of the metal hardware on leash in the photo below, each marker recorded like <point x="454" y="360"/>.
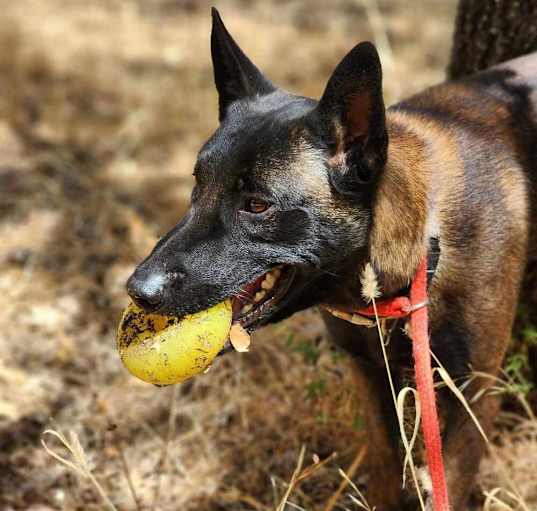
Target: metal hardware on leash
<point x="417" y="306"/>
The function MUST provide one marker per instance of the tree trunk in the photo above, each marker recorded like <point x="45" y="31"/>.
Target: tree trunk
<point x="488" y="32"/>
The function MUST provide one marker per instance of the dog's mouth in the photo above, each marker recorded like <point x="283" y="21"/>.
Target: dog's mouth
<point x="261" y="298"/>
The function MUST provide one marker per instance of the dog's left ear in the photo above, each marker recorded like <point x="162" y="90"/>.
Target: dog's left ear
<point x="235" y="76"/>
<point x="352" y="110"/>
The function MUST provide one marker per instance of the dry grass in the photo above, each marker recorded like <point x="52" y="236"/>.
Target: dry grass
<point x="103" y="107"/>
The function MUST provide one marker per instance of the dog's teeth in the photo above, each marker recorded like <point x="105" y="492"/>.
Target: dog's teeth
<point x="246" y="308"/>
<point x="259" y="296"/>
<point x="269" y="281"/>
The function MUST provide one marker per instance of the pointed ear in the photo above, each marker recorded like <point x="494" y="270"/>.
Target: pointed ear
<point x="235" y="75"/>
<point x="352" y="104"/>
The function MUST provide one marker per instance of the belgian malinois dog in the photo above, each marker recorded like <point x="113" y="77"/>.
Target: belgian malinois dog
<point x="294" y="196"/>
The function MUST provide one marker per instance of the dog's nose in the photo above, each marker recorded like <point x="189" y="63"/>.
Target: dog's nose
<point x="147" y="289"/>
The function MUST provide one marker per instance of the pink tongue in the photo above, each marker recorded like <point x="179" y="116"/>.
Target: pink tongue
<point x="246" y="295"/>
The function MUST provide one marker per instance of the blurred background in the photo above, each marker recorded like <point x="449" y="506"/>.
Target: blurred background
<point x="103" y="106"/>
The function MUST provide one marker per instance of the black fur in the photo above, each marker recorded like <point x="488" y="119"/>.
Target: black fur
<point x="256" y="151"/>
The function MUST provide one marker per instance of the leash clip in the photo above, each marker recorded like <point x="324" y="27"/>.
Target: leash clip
<point x="417" y="306"/>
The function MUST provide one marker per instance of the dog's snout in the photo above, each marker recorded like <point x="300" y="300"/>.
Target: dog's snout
<point x="147" y="288"/>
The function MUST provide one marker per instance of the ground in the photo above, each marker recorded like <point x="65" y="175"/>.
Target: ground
<point x="102" y="110"/>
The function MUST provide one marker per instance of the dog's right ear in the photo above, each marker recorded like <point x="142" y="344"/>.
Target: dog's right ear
<point x="235" y="76"/>
<point x="352" y="112"/>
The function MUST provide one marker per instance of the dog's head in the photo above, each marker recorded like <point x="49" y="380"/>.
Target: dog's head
<point x="281" y="209"/>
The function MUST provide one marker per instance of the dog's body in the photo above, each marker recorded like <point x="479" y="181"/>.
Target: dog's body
<point x="472" y="148"/>
<point x="324" y="187"/>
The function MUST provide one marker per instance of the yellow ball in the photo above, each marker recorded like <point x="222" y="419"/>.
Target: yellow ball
<point x="164" y="350"/>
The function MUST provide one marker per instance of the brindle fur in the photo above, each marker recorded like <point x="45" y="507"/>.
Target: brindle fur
<point x="350" y="182"/>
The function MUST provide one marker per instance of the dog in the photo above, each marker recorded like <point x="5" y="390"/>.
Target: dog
<point x="293" y="197"/>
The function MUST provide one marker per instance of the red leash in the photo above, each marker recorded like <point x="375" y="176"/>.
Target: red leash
<point x="416" y="308"/>
<point x="424" y="382"/>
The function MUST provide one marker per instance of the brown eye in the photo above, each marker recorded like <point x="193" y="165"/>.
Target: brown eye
<point x="256" y="206"/>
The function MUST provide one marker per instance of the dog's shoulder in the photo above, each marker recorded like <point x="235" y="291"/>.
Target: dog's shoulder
<point x="460" y="167"/>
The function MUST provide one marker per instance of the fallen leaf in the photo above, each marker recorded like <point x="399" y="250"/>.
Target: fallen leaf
<point x="239" y="338"/>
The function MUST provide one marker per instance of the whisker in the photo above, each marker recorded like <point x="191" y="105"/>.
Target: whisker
<point x="327" y="272"/>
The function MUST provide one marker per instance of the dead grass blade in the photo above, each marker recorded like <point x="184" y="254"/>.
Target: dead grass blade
<point x="514" y="493"/>
<point x="296" y="506"/>
<point x="233" y="495"/>
<point x="163" y="463"/>
<point x="446" y="378"/>
<point x="361" y="501"/>
<point x="79" y="464"/>
<point x="294" y="480"/>
<point x="400" y="413"/>
<point x="128" y="477"/>
<point x="351" y="471"/>
<point x="492" y="499"/>
<point x="505" y="386"/>
<point x="409" y="446"/>
<point x="300" y="475"/>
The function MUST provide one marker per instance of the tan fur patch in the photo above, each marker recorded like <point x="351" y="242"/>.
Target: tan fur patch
<point x="408" y="192"/>
<point x="339" y="156"/>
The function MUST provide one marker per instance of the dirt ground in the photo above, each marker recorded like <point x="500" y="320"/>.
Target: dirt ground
<point x="103" y="106"/>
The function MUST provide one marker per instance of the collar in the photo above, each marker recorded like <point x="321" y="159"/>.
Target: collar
<point x="398" y="306"/>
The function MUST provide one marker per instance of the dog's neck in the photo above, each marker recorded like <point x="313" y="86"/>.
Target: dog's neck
<point x="398" y="231"/>
<point x="404" y="212"/>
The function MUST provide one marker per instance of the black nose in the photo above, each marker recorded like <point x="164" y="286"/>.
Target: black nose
<point x="147" y="289"/>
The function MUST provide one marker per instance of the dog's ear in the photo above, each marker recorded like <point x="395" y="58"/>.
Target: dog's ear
<point x="352" y="111"/>
<point x="235" y="76"/>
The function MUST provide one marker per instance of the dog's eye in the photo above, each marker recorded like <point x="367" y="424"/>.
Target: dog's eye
<point x="255" y="205"/>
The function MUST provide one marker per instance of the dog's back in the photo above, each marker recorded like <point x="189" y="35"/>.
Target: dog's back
<point x="496" y="39"/>
<point x="493" y="114"/>
<point x="521" y="94"/>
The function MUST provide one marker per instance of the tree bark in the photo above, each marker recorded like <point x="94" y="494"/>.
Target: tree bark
<point x="488" y="32"/>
